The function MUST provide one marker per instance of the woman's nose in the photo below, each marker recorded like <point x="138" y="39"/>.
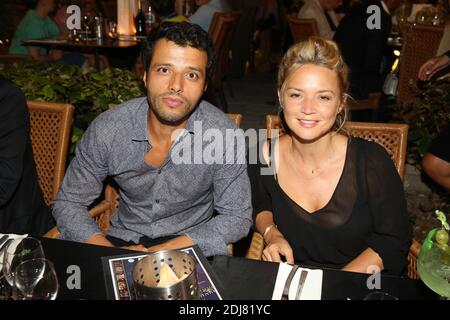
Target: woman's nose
<point x="308" y="106"/>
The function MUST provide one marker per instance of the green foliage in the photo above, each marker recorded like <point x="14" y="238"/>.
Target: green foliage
<point x="427" y="117"/>
<point x="89" y="91"/>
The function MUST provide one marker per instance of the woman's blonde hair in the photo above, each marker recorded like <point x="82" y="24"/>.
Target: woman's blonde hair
<point x="318" y="52"/>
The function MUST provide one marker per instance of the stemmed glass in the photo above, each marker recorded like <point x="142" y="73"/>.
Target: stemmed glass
<point x="35" y="279"/>
<point x="17" y="252"/>
<point x="434" y="265"/>
<point x="87" y="27"/>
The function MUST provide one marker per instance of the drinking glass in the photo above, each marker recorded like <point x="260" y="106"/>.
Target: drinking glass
<point x="35" y="279"/>
<point x="433" y="265"/>
<point x="112" y="30"/>
<point x="380" y="295"/>
<point x="17" y="252"/>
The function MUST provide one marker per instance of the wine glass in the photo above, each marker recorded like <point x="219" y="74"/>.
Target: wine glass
<point x="17" y="252"/>
<point x="35" y="279"/>
<point x="434" y="265"/>
<point x="87" y="27"/>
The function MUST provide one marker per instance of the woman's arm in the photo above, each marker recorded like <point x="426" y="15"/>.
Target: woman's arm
<point x="276" y="244"/>
<point x="366" y="262"/>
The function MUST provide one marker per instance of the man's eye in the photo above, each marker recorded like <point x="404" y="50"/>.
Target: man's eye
<point x="192" y="76"/>
<point x="162" y="70"/>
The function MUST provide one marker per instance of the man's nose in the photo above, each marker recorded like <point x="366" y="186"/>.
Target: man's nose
<point x="176" y="83"/>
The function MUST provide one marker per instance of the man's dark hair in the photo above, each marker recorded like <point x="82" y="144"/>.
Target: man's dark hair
<point x="183" y="34"/>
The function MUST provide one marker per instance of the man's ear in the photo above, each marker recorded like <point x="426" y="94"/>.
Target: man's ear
<point x="145" y="78"/>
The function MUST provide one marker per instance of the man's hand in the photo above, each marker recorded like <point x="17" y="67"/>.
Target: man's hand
<point x="100" y="240"/>
<point x="175" y="243"/>
<point x="137" y="247"/>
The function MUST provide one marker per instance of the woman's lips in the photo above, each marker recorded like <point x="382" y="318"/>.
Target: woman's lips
<point x="308" y="123"/>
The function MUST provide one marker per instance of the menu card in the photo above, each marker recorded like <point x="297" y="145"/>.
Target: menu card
<point x="118" y="271"/>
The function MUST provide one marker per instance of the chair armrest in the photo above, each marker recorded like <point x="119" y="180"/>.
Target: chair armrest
<point x="99" y="209"/>
<point x="95" y="212"/>
<point x="256" y="247"/>
<point x="52" y="234"/>
<point x="413" y="255"/>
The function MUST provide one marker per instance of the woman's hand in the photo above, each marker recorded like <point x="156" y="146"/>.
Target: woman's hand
<point x="277" y="247"/>
<point x="429" y="68"/>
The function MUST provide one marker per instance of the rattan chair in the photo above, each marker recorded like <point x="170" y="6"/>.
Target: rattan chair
<point x="420" y="44"/>
<point x="50" y="125"/>
<point x="302" y="29"/>
<point x="103" y="211"/>
<point x="393" y="137"/>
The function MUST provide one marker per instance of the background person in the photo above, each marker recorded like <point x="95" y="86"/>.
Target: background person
<point x="436" y="161"/>
<point x="429" y="68"/>
<point x="323" y="12"/>
<point x="22" y="206"/>
<point x="37" y="24"/>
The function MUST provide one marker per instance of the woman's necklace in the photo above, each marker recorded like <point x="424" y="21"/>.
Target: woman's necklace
<point x="316" y="171"/>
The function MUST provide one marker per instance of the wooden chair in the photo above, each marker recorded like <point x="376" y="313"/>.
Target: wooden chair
<point x="302" y="29"/>
<point x="393" y="137"/>
<point x="220" y="31"/>
<point x="420" y="44"/>
<point x="50" y="125"/>
<point x="103" y="211"/>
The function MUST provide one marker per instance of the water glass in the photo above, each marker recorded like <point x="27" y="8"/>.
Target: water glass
<point x="17" y="252"/>
<point x="35" y="279"/>
<point x="380" y="295"/>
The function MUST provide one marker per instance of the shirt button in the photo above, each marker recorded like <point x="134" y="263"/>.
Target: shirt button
<point x="159" y="171"/>
<point x="157" y="200"/>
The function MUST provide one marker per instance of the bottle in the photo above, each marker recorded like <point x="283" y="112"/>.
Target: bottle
<point x="149" y="19"/>
<point x="99" y="27"/>
<point x="187" y="10"/>
<point x="140" y="21"/>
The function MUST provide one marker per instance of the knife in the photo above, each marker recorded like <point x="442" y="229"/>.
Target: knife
<point x="301" y="282"/>
<point x="287" y="284"/>
<point x="3" y="240"/>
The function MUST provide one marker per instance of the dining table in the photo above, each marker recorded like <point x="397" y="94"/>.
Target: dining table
<point x="108" y="46"/>
<point x="238" y="278"/>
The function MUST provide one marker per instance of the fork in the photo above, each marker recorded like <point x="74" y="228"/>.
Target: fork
<point x="301" y="282"/>
<point x="287" y="284"/>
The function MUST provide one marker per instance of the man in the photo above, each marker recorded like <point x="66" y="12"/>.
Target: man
<point x="362" y="41"/>
<point x="323" y="12"/>
<point x="205" y="13"/>
<point x="38" y="25"/>
<point x="138" y="145"/>
<point x="22" y="206"/>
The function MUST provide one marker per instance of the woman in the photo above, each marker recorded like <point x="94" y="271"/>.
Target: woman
<point x="334" y="201"/>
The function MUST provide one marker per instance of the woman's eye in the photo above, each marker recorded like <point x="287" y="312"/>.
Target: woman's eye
<point x="325" y="98"/>
<point x="294" y="95"/>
